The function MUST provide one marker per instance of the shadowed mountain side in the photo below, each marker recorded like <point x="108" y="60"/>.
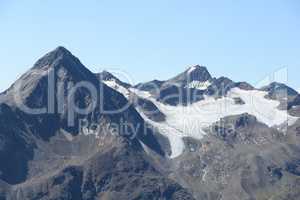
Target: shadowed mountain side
<point x="41" y="150"/>
<point x="117" y="172"/>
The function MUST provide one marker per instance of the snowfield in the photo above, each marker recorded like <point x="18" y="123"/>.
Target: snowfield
<point x="192" y="120"/>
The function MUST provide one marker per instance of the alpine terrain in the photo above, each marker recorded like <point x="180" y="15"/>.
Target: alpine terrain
<point x="68" y="133"/>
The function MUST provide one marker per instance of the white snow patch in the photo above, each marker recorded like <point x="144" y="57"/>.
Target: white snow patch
<point x="146" y="149"/>
<point x="199" y="85"/>
<point x="140" y="93"/>
<point x="174" y="136"/>
<point x="191" y="69"/>
<point x="205" y="172"/>
<point x="68" y="135"/>
<point x="114" y="85"/>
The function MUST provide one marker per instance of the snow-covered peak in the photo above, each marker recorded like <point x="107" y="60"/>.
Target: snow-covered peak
<point x="195" y="67"/>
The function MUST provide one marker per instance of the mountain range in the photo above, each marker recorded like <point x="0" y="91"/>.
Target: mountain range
<point x="68" y="133"/>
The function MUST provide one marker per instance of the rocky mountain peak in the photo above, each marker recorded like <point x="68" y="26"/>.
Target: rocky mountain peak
<point x="276" y="87"/>
<point x="64" y="64"/>
<point x="198" y="73"/>
<point x="195" y="73"/>
<point x="57" y="54"/>
<point x="58" y="67"/>
<point x="61" y="59"/>
<point x="195" y="68"/>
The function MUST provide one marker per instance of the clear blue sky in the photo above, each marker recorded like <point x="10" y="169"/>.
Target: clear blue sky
<point x="244" y="40"/>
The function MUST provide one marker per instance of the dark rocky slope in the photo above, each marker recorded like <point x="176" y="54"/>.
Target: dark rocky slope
<point x="46" y="156"/>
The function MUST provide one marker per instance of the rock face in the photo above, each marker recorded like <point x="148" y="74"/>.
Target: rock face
<point x="47" y="154"/>
<point x="283" y="93"/>
<point x="183" y="89"/>
<point x="194" y="73"/>
<point x="241" y="159"/>
<point x="150" y="109"/>
<point x="145" y="106"/>
<point x="117" y="172"/>
<point x="294" y="106"/>
<point x="279" y="90"/>
<point x="190" y="87"/>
